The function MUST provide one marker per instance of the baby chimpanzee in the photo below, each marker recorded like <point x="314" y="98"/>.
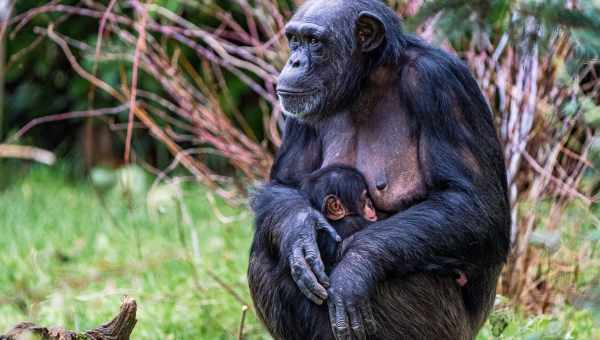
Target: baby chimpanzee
<point x="341" y="194"/>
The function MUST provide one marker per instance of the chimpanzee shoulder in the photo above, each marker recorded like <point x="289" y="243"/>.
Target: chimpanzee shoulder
<point x="448" y="110"/>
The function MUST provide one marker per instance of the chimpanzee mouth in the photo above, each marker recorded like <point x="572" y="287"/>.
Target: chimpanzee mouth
<point x="286" y="91"/>
<point x="300" y="104"/>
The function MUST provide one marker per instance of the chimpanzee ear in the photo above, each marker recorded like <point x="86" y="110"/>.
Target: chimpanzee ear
<point x="369" y="211"/>
<point x="333" y="208"/>
<point x="369" y="31"/>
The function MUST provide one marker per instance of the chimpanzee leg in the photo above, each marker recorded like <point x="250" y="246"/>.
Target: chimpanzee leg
<point x="421" y="306"/>
<point x="284" y="310"/>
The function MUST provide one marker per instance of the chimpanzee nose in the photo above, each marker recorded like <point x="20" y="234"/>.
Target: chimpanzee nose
<point x="381" y="182"/>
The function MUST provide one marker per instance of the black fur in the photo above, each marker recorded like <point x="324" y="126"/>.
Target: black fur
<point x="461" y="223"/>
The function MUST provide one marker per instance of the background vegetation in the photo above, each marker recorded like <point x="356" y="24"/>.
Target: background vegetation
<point x="185" y="90"/>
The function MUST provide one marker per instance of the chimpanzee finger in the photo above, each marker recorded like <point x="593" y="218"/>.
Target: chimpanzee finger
<point x="369" y="318"/>
<point x="322" y="224"/>
<point x="341" y="329"/>
<point x="313" y="257"/>
<point x="297" y="276"/>
<point x="310" y="281"/>
<point x="356" y="323"/>
<point x="307" y="292"/>
<point x="305" y="279"/>
<point x="331" y="309"/>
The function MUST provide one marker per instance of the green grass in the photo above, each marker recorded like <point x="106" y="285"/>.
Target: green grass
<point x="66" y="262"/>
<point x="68" y="255"/>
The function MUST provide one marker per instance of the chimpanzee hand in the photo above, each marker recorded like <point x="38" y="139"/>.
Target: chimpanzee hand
<point x="305" y="260"/>
<point x="350" y="310"/>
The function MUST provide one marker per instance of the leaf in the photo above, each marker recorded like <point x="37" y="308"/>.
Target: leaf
<point x="593" y="236"/>
<point x="591" y="111"/>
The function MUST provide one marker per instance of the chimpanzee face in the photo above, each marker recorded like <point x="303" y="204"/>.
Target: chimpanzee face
<point x="334" y="209"/>
<point x="308" y="74"/>
<point x="327" y="59"/>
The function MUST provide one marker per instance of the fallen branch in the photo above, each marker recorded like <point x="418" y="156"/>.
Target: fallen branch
<point x="119" y="328"/>
<point x="27" y="152"/>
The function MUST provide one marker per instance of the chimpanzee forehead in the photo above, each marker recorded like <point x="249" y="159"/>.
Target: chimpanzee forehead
<point x="319" y="12"/>
<point x="306" y="29"/>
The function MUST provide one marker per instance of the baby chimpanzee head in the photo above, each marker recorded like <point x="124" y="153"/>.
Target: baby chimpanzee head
<point x="339" y="191"/>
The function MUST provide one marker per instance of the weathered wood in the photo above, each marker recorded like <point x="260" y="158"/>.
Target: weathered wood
<point x="119" y="328"/>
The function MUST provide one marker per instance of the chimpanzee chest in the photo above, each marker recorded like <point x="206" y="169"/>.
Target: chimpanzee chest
<point x="383" y="150"/>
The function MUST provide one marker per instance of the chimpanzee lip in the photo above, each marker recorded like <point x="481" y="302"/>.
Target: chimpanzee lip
<point x="286" y="91"/>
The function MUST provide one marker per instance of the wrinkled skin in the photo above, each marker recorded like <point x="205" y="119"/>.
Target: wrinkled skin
<point x="358" y="91"/>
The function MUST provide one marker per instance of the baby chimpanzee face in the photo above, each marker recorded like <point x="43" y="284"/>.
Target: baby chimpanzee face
<point x="335" y="209"/>
<point x="339" y="191"/>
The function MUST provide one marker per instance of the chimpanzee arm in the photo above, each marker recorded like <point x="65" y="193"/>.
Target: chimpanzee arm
<point x="286" y="224"/>
<point x="462" y="223"/>
<point x="452" y="228"/>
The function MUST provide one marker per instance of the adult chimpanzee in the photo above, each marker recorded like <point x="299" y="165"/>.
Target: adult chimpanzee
<point x="357" y="90"/>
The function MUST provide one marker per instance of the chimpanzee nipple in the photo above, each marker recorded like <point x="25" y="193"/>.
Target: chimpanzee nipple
<point x="381" y="183"/>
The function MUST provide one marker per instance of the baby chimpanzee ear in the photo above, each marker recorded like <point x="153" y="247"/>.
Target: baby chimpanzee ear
<point x="333" y="208"/>
<point x="369" y="31"/>
<point x="368" y="209"/>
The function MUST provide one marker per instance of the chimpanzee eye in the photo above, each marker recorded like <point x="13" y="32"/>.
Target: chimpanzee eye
<point x="293" y="41"/>
<point x="315" y="45"/>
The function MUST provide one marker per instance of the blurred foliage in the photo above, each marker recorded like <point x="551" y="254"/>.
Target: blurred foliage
<point x="40" y="81"/>
<point x="489" y="19"/>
